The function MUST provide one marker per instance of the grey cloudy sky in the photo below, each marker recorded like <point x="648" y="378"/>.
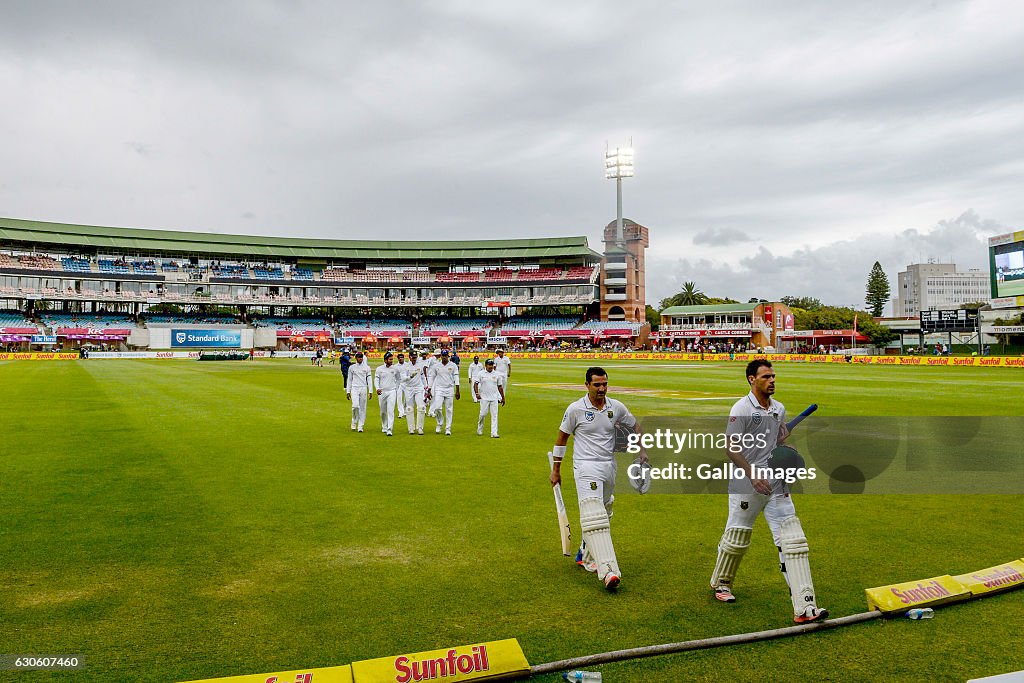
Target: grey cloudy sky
<point x="782" y="147"/>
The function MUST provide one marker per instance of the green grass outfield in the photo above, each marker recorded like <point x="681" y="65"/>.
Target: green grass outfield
<point x="173" y="520"/>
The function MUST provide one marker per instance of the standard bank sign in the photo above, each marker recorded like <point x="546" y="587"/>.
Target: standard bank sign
<point x="206" y="338"/>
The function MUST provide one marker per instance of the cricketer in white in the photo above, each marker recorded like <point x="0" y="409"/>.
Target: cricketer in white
<point x="474" y="369"/>
<point x="503" y="366"/>
<point x="489" y="390"/>
<point x="359" y="384"/>
<point x="443" y="391"/>
<point x="759" y="413"/>
<point x="388" y="379"/>
<point x="591" y="421"/>
<point x="414" y="382"/>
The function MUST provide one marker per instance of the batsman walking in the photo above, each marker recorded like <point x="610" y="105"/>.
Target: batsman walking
<point x="762" y="419"/>
<point x="591" y="421"/>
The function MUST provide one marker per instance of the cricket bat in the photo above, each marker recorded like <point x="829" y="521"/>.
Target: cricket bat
<point x="564" y="530"/>
<point x="800" y="418"/>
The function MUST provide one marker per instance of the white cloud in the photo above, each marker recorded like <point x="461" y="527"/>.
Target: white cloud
<point x="835" y="273"/>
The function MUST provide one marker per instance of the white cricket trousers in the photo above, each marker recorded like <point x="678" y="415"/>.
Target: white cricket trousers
<point x="596" y="479"/>
<point x="358" y="407"/>
<point x="744" y="509"/>
<point x="415" y="409"/>
<point x="387" y="401"/>
<point x="443" y="404"/>
<point x="402" y="400"/>
<point x="491" y="407"/>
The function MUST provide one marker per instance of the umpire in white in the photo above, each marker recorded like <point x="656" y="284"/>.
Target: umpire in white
<point x="592" y="422"/>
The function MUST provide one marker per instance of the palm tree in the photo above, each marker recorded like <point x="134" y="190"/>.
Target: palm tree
<point x="691" y="296"/>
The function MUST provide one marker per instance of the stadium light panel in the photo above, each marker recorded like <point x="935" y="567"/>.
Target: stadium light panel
<point x="618" y="163"/>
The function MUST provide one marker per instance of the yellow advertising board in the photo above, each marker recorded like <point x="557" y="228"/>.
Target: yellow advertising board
<point x="902" y="596"/>
<point x="999" y="578"/>
<point x="925" y="361"/>
<point x="39" y="355"/>
<point x="333" y="674"/>
<point x="495" y="661"/>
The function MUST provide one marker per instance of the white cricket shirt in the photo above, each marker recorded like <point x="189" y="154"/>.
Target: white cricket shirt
<point x="413" y="377"/>
<point x="359" y="377"/>
<point x="502" y="364"/>
<point x="750" y="417"/>
<point x="488" y="383"/>
<point x="387" y="378"/>
<point x="443" y="378"/>
<point x="593" y="430"/>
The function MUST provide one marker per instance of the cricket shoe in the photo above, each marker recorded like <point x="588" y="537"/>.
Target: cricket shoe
<point x="611" y="581"/>
<point x="420" y="432"/>
<point x="437" y="430"/>
<point x="589" y="565"/>
<point x="447" y="432"/>
<point x="723" y="594"/>
<point x="811" y="615"/>
<point x="389" y="432"/>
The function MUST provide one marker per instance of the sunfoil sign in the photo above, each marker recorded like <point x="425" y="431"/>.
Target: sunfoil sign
<point x="229" y="339"/>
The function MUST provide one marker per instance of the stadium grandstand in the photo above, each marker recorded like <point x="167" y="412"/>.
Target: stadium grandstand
<point x="89" y="283"/>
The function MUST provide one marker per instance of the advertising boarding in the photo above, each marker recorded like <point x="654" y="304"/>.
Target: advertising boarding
<point x="220" y="339"/>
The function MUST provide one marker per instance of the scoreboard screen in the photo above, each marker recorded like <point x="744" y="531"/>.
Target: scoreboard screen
<point x="959" y="320"/>
<point x="1006" y="264"/>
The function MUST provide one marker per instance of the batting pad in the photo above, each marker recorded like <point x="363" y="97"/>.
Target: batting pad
<point x="798" y="567"/>
<point x="597" y="534"/>
<point x="731" y="549"/>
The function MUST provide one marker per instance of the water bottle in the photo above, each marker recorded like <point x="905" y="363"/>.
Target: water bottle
<point x="581" y="676"/>
<point x="921" y="613"/>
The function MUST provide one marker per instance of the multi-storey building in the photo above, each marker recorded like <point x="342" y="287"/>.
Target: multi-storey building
<point x="937" y="286"/>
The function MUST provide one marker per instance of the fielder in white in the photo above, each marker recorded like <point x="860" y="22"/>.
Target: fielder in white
<point x="414" y="384"/>
<point x="591" y="421"/>
<point x="760" y="415"/>
<point x="401" y="399"/>
<point x="387" y="380"/>
<point x="427" y="360"/>
<point x="443" y="391"/>
<point x="503" y="366"/>
<point x="358" y="386"/>
<point x="474" y="369"/>
<point x="489" y="390"/>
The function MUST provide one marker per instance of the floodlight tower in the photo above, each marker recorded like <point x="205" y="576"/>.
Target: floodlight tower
<point x="622" y="289"/>
<point x="618" y="164"/>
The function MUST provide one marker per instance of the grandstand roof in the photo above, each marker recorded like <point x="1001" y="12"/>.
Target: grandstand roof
<point x="710" y="308"/>
<point x="90" y="237"/>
